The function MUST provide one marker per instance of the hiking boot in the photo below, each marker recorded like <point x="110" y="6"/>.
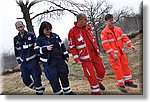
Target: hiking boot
<point x="70" y="93"/>
<point x="130" y="84"/>
<point x="122" y="89"/>
<point x="101" y="86"/>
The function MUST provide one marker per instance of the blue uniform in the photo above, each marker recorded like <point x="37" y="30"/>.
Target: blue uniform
<point x="25" y="55"/>
<point x="55" y="67"/>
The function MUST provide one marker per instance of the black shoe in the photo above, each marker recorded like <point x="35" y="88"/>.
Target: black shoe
<point x="43" y="89"/>
<point x="70" y="93"/>
<point x="130" y="84"/>
<point x="122" y="89"/>
<point x="39" y="93"/>
<point x="101" y="86"/>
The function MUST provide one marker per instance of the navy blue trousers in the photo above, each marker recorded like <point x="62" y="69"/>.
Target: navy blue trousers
<point x="57" y="71"/>
<point x="31" y="73"/>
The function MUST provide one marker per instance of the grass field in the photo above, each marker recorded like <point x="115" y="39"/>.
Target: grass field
<point x="12" y="84"/>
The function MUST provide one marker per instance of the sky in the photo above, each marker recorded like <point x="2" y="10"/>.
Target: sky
<point x="9" y="13"/>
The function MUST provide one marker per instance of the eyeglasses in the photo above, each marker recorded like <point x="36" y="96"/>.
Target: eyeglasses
<point x="47" y="29"/>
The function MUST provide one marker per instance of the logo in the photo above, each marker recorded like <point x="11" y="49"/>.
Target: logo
<point x="29" y="38"/>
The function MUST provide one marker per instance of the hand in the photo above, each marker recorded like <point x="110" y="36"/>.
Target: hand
<point x="79" y="63"/>
<point x="18" y="65"/>
<point x="115" y="56"/>
<point x="67" y="59"/>
<point x="133" y="48"/>
<point x="49" y="48"/>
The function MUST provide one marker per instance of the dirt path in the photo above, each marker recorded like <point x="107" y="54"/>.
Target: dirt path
<point x="14" y="85"/>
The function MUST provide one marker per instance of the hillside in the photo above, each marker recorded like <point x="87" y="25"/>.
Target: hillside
<point x="12" y="83"/>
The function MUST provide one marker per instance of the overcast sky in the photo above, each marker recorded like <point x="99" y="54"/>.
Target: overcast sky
<point x="9" y="11"/>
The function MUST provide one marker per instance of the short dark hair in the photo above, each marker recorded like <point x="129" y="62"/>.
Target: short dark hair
<point x="44" y="25"/>
<point x="108" y="16"/>
<point x="18" y="23"/>
<point x="80" y="16"/>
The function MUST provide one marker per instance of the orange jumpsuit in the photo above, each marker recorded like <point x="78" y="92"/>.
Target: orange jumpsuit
<point x="113" y="42"/>
<point x="84" y="48"/>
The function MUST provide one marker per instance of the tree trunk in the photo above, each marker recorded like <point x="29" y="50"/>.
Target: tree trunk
<point x="27" y="19"/>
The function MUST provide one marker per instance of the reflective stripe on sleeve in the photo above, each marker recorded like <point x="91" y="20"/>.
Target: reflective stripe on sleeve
<point x="110" y="50"/>
<point x="76" y="56"/>
<point x="66" y="52"/>
<point x="29" y="58"/>
<point x="18" y="48"/>
<point x="36" y="47"/>
<point x="128" y="42"/>
<point x="42" y="59"/>
<point x="73" y="46"/>
<point x="81" y="46"/>
<point x="85" y="57"/>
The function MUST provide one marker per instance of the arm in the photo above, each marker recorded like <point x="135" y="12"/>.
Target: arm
<point x="39" y="48"/>
<point x="72" y="46"/>
<point x="106" y="45"/>
<point x="65" y="52"/>
<point x="16" y="50"/>
<point x="125" y="39"/>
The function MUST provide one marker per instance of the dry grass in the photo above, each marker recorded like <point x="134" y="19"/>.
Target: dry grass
<point x="79" y="84"/>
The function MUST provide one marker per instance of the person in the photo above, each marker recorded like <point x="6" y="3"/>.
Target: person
<point x="27" y="59"/>
<point x="54" y="56"/>
<point x="113" y="40"/>
<point x="85" y="52"/>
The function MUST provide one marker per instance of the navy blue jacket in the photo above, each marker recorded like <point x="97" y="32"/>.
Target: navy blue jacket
<point x="24" y="47"/>
<point x="58" y="49"/>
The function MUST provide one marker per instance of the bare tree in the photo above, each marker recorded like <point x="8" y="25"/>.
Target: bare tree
<point x="54" y="8"/>
<point x="96" y="12"/>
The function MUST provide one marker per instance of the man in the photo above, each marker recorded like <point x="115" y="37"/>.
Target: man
<point x="85" y="52"/>
<point x="27" y="60"/>
<point x="113" y="40"/>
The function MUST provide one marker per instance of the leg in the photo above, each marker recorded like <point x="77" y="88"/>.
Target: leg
<point x="89" y="73"/>
<point x="52" y="75"/>
<point x="25" y="74"/>
<point x="100" y="70"/>
<point x="36" y="74"/>
<point x="116" y="65"/>
<point x="63" y="75"/>
<point x="126" y="72"/>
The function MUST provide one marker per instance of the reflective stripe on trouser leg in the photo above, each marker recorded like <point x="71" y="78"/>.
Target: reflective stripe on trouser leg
<point x="116" y="65"/>
<point x="125" y="67"/>
<point x="128" y="78"/>
<point x="67" y="90"/>
<point x="39" y="90"/>
<point x="120" y="82"/>
<point x="60" y="92"/>
<point x="32" y="85"/>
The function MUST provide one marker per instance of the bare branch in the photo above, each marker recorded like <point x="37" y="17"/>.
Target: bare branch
<point x="34" y="2"/>
<point x="45" y="12"/>
<point x="71" y="11"/>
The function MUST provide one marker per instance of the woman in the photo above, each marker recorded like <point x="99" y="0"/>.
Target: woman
<point x="53" y="55"/>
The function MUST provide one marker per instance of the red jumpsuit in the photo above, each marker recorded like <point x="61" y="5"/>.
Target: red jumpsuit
<point x="84" y="48"/>
<point x="113" y="42"/>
